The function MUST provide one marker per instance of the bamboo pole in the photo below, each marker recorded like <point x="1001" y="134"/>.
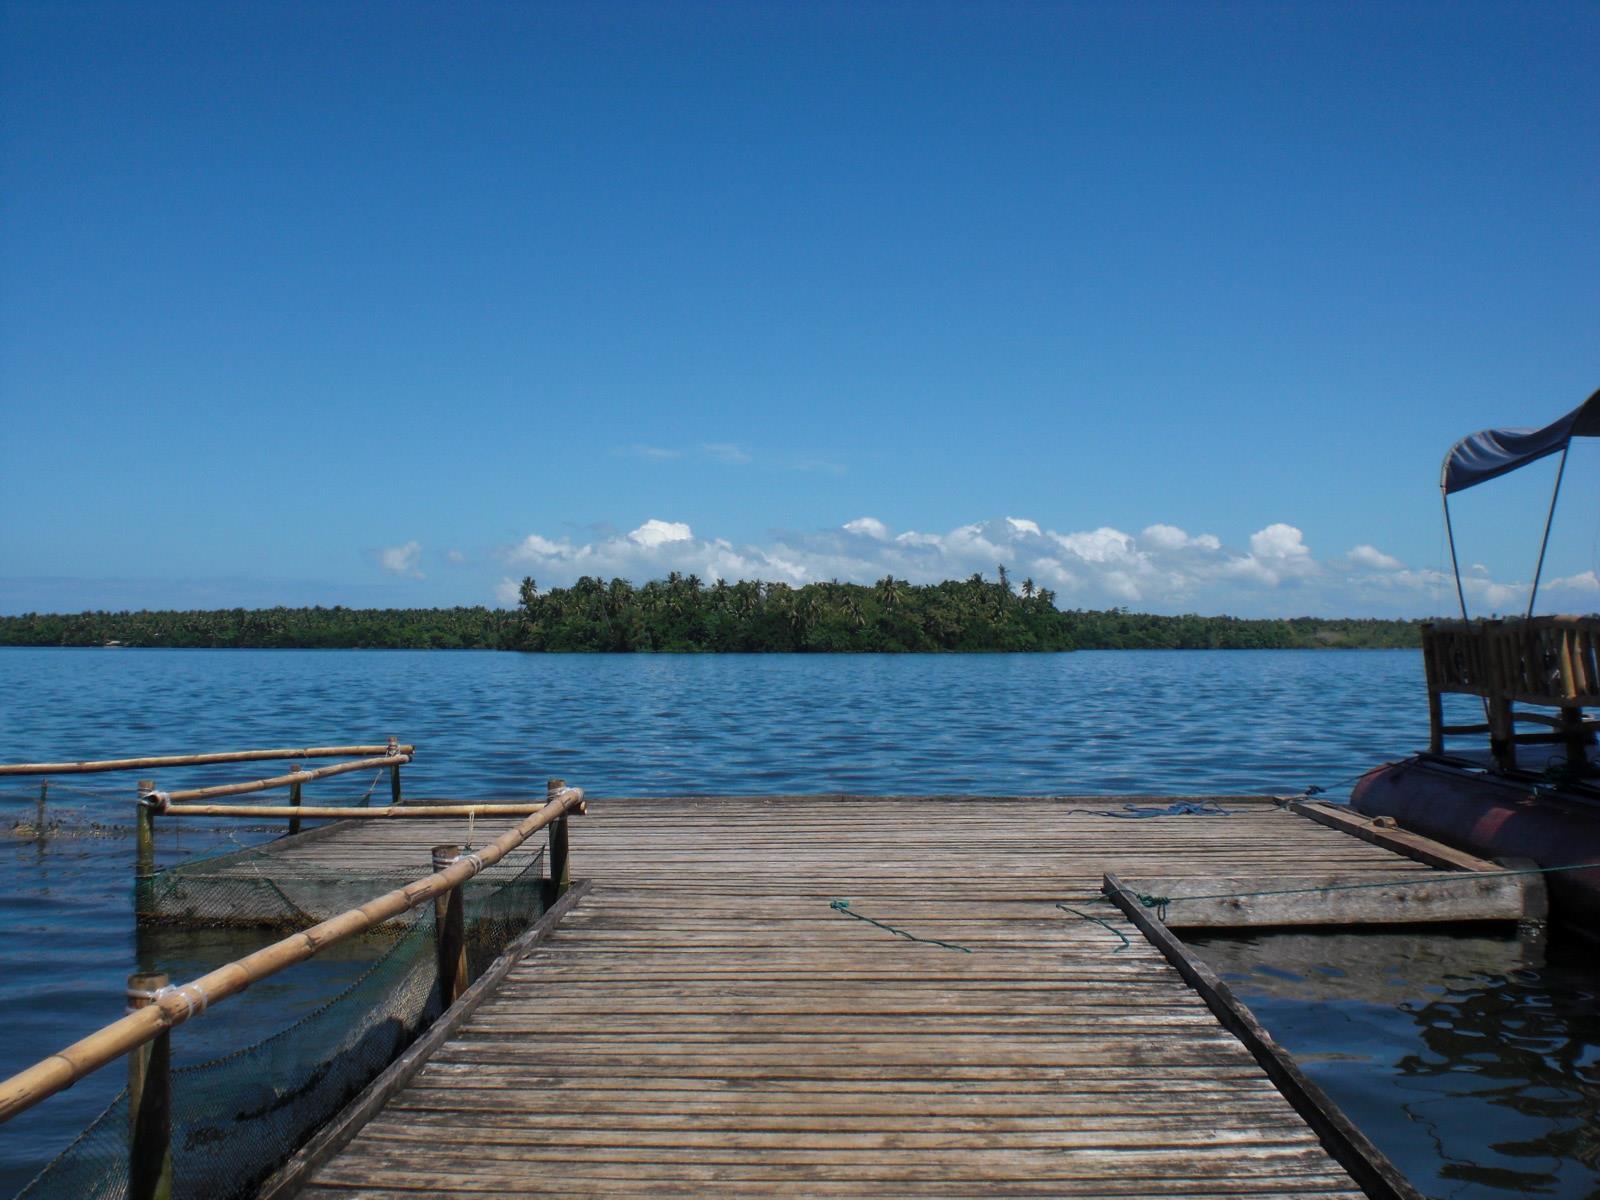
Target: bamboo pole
<point x="144" y="833"/>
<point x="314" y="812"/>
<point x="196" y="760"/>
<point x="44" y="793"/>
<point x="175" y="1005"/>
<point x="294" y="799"/>
<point x="262" y="785"/>
<point x="560" y="869"/>
<point x="449" y="931"/>
<point x="394" y="772"/>
<point x="149" y="1101"/>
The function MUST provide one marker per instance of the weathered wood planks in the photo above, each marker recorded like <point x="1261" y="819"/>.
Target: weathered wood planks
<point x="1280" y="901"/>
<point x="704" y="1023"/>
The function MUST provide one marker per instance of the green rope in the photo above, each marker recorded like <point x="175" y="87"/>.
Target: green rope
<point x="1161" y="902"/>
<point x="1105" y="924"/>
<point x="843" y="906"/>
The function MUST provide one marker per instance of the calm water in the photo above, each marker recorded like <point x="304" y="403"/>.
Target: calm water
<point x="491" y="724"/>
<point x="1473" y="1062"/>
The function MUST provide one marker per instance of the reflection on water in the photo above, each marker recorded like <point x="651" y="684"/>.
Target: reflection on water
<point x="1473" y="1062"/>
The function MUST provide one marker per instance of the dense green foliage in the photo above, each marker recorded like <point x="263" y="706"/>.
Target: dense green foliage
<point x="315" y="628"/>
<point x="680" y="613"/>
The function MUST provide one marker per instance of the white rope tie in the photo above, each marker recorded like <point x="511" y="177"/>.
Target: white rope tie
<point x="193" y="1006"/>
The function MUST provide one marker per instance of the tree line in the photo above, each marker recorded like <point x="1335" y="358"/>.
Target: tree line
<point x="684" y="614"/>
<point x="271" y="628"/>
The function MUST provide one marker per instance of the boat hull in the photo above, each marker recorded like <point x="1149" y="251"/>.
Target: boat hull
<point x="1496" y="816"/>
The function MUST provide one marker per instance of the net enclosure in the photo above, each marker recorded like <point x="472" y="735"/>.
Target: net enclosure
<point x="237" y="1117"/>
<point x="261" y="886"/>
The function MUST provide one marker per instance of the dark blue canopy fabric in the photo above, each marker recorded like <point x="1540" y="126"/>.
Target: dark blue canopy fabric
<point x="1493" y="452"/>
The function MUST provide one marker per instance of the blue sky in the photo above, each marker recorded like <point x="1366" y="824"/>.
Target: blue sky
<point x="390" y="304"/>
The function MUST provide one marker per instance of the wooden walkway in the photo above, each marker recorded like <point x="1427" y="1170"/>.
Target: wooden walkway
<point x="704" y="1023"/>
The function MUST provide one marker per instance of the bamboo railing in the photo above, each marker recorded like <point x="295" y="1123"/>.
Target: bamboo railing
<point x="167" y="1007"/>
<point x="390" y="755"/>
<point x="198" y="760"/>
<point x="1548" y="662"/>
<point x="394" y="761"/>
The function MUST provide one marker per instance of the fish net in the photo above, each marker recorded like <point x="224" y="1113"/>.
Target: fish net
<point x="260" y="887"/>
<point x="238" y="1117"/>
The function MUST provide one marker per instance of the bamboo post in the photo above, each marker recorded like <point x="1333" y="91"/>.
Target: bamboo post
<point x="38" y="820"/>
<point x="149" y="1102"/>
<point x="145" y="832"/>
<point x="294" y="799"/>
<point x="394" y="772"/>
<point x="449" y="931"/>
<point x="560" y="869"/>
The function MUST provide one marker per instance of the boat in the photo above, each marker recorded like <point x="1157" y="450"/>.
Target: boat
<point x="1527" y="797"/>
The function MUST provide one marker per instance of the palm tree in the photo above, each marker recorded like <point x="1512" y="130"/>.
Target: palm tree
<point x="889" y="592"/>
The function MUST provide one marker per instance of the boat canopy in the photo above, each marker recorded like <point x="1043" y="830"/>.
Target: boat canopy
<point x="1493" y="452"/>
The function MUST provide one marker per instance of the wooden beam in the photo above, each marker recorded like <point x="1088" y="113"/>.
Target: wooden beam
<point x="1391" y="837"/>
<point x="1263" y="901"/>
<point x="1368" y="1165"/>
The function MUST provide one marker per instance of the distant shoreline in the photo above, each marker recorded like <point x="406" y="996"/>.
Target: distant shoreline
<point x="682" y="615"/>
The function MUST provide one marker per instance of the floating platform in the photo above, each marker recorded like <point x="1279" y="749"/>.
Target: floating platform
<point x="853" y="996"/>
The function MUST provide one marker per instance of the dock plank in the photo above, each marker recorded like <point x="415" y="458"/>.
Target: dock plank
<point x="704" y="1023"/>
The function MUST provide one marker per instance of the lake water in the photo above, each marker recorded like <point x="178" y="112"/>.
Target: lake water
<point x="1474" y="1062"/>
<point x="491" y="724"/>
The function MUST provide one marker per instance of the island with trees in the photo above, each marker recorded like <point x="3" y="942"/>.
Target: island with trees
<point x="682" y="613"/>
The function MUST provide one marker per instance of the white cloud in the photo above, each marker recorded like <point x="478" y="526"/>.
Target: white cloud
<point x="402" y="560"/>
<point x="650" y="453"/>
<point x="1103" y="545"/>
<point x="1162" y="569"/>
<point x="533" y="547"/>
<point x="726" y="452"/>
<point x="868" y="527"/>
<point x="656" y="533"/>
<point x="508" y="593"/>
<point x="825" y="466"/>
<point x="454" y="557"/>
<point x="1279" y="541"/>
<point x="1167" y="538"/>
<point x="1583" y="581"/>
<point x="1164" y="537"/>
<point x="1377" y="560"/>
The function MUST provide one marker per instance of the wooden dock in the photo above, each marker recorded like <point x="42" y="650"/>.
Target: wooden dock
<point x="704" y="1020"/>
